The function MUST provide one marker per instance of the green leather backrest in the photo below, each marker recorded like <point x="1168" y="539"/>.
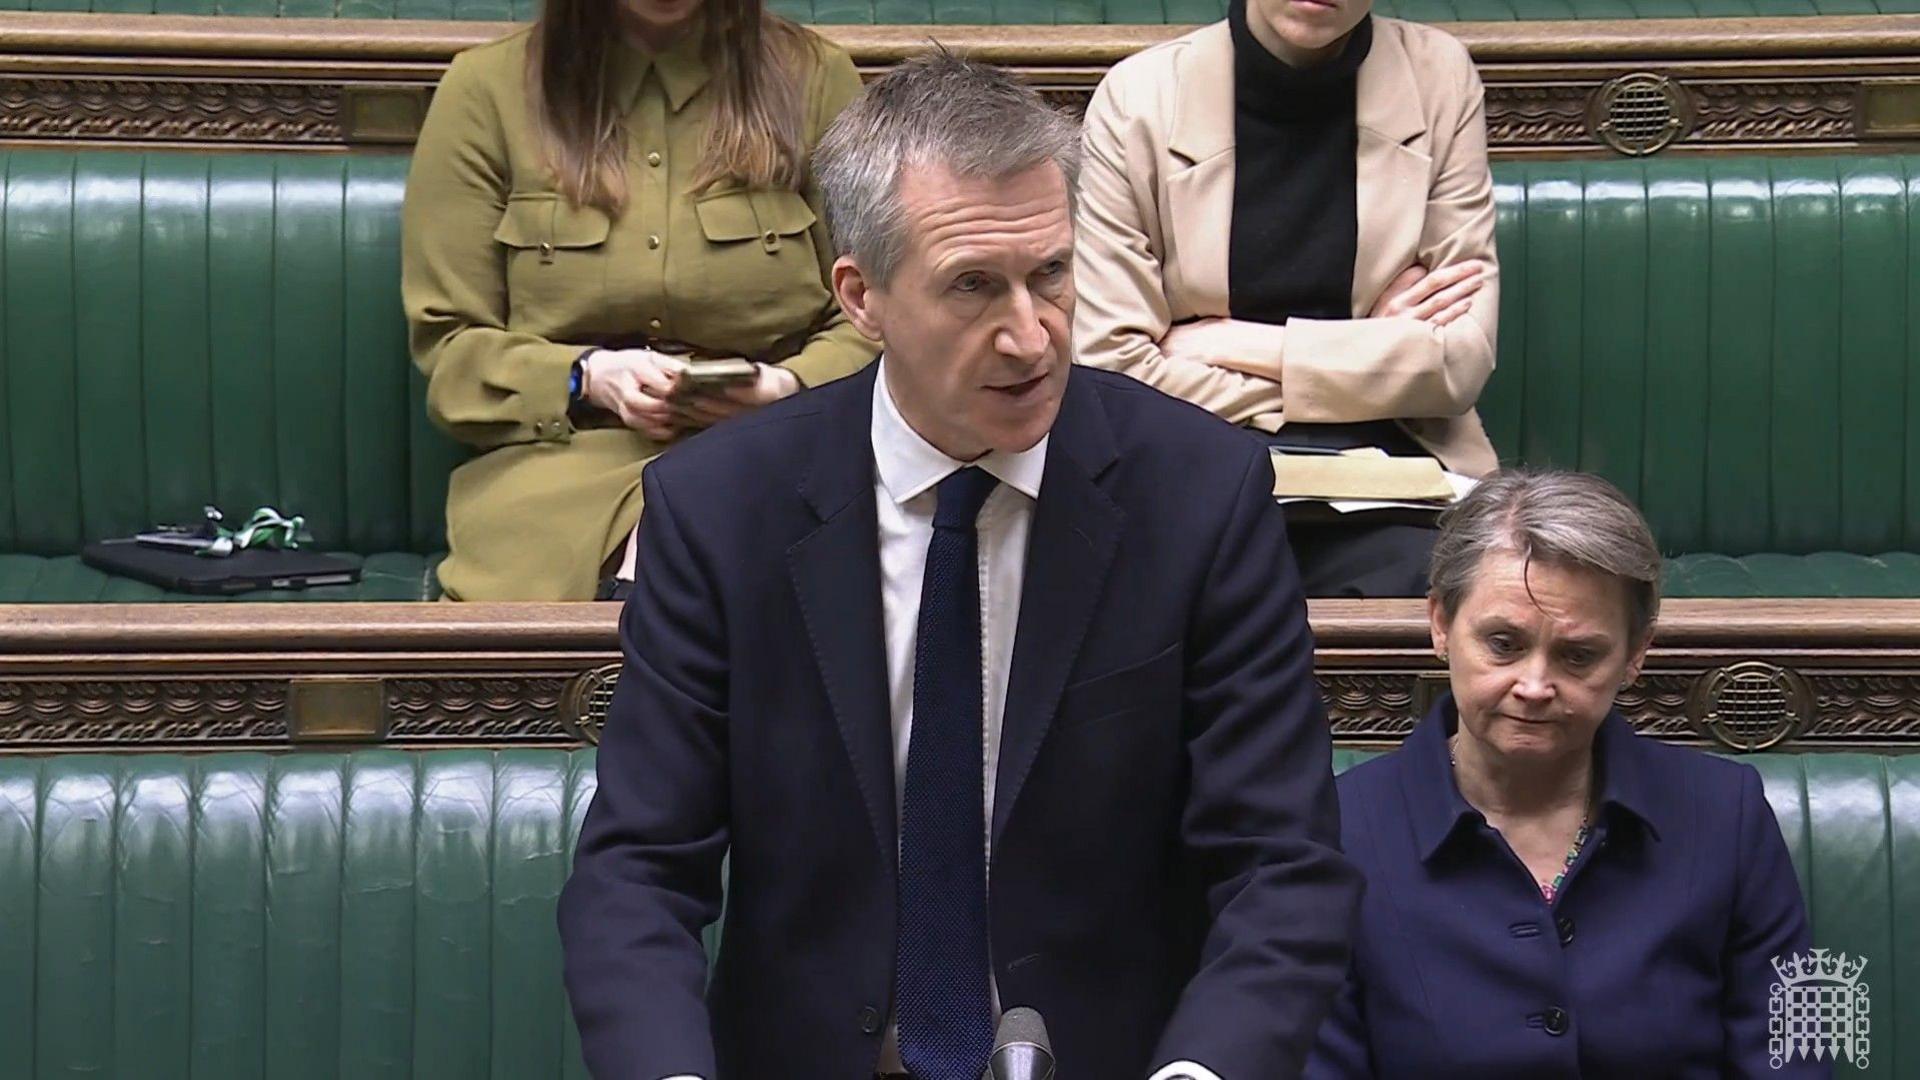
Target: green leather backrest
<point x="183" y="328"/>
<point x="391" y="913"/>
<point x="1002" y="12"/>
<point x="384" y="914"/>
<point x="1734" y="341"/>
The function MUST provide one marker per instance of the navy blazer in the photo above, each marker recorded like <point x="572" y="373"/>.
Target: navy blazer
<point x="1652" y="961"/>
<point x="1165" y="882"/>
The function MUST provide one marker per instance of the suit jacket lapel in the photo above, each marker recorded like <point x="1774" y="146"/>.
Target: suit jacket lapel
<point x="1392" y="174"/>
<point x="836" y="575"/>
<point x="1200" y="184"/>
<point x="1076" y="530"/>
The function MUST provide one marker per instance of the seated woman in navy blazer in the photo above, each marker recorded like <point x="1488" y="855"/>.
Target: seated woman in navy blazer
<point x="1549" y="894"/>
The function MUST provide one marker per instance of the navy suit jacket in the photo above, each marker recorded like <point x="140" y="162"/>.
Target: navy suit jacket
<point x="1652" y="961"/>
<point x="1164" y="882"/>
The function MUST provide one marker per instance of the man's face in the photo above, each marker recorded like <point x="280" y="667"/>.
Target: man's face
<point x="977" y="318"/>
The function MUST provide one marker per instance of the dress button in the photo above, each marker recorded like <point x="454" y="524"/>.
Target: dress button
<point x="653" y="241"/>
<point x="1565" y="926"/>
<point x="1556" y="1021"/>
<point x="870" y="1020"/>
<point x="653" y="159"/>
<point x="653" y="324"/>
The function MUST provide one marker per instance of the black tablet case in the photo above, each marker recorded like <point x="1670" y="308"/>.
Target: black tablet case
<point x="243" y="571"/>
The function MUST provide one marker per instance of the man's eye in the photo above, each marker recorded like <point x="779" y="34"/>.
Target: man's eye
<point x="971" y="282"/>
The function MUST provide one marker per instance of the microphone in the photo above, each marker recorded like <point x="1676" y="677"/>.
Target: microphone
<point x="1020" y="1048"/>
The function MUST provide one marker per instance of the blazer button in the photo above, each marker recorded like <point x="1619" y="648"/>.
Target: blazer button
<point x="1565" y="926"/>
<point x="1556" y="1021"/>
<point x="870" y="1020"/>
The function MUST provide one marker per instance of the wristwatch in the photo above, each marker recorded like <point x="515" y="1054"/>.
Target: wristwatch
<point x="577" y="376"/>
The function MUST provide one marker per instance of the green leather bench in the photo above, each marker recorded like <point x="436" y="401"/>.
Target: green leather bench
<point x="387" y="913"/>
<point x="185" y="328"/>
<point x="1000" y="12"/>
<point x="1732" y="340"/>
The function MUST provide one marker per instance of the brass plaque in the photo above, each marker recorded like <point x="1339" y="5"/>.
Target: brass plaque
<point x="383" y="114"/>
<point x="1889" y="110"/>
<point x="330" y="709"/>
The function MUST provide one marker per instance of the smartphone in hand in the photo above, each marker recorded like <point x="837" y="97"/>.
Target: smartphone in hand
<point x="702" y="376"/>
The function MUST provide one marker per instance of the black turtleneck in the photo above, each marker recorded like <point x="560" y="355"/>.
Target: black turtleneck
<point x="1295" y="226"/>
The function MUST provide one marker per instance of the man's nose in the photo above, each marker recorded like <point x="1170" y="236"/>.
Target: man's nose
<point x="1022" y="335"/>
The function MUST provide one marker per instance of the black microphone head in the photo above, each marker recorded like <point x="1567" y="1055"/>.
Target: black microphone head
<point x="1021" y="1050"/>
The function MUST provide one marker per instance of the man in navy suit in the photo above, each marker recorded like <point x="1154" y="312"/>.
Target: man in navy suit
<point x="989" y="675"/>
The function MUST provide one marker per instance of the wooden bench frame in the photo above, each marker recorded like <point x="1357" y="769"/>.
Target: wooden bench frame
<point x="1798" y="674"/>
<point x="1819" y="84"/>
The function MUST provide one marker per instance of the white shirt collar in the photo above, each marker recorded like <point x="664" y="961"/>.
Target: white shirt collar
<point x="910" y="465"/>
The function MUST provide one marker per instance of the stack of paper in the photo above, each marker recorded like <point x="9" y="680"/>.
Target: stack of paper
<point x="1365" y="478"/>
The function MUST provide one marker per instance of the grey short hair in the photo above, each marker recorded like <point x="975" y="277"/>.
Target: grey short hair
<point x="935" y="108"/>
<point x="1570" y="519"/>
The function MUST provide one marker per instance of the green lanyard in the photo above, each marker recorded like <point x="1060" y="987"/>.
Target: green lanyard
<point x="267" y="529"/>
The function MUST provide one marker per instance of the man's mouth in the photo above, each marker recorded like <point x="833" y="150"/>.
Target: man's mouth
<point x="1020" y="389"/>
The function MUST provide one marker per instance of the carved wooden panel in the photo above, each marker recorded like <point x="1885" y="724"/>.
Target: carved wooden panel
<point x="493" y="712"/>
<point x="1809" y="83"/>
<point x="136" y="713"/>
<point x="1820" y="674"/>
<point x="138" y="110"/>
<point x="1775" y="112"/>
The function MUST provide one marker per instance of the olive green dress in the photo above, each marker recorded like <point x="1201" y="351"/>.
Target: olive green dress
<point x="506" y="282"/>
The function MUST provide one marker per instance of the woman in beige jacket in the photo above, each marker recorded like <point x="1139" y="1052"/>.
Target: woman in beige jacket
<point x="1287" y="219"/>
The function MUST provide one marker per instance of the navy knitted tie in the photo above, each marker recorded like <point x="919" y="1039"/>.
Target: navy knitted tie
<point x="940" y="964"/>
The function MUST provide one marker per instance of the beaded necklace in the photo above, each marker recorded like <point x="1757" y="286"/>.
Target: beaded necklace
<point x="1548" y="889"/>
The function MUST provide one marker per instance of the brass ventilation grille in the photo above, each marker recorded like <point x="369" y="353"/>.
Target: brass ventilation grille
<point x="583" y="707"/>
<point x="1639" y="114"/>
<point x="1751" y="705"/>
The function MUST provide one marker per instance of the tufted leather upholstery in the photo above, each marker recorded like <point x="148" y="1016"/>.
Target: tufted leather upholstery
<point x="1001" y="12"/>
<point x="1729" y="339"/>
<point x="190" y="327"/>
<point x="1732" y="340"/>
<point x="391" y="913"/>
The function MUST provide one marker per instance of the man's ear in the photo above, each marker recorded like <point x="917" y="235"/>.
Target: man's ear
<point x="858" y="297"/>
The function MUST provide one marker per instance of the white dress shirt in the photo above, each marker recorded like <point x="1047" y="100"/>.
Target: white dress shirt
<point x="907" y="470"/>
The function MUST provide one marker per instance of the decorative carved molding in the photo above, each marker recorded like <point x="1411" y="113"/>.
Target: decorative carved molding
<point x="1521" y="117"/>
<point x="201" y="677"/>
<point x="1657" y="705"/>
<point x="1539" y="114"/>
<point x="484" y="711"/>
<point x="318" y="84"/>
<point x="137" y="714"/>
<point x="1754" y="112"/>
<point x="1879" y="706"/>
<point x="139" y="110"/>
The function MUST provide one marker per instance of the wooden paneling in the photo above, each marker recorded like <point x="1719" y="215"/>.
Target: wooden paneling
<point x="186" y="677"/>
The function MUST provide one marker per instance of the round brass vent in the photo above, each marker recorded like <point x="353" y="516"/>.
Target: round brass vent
<point x="1751" y="705"/>
<point x="1639" y="114"/>
<point x="584" y="703"/>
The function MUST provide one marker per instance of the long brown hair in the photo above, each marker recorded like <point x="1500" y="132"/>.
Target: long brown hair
<point x="753" y="135"/>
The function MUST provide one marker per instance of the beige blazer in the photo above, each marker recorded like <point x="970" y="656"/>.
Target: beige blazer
<point x="1155" y="214"/>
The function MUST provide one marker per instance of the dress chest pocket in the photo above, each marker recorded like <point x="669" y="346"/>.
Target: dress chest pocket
<point x="554" y="256"/>
<point x="760" y="255"/>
